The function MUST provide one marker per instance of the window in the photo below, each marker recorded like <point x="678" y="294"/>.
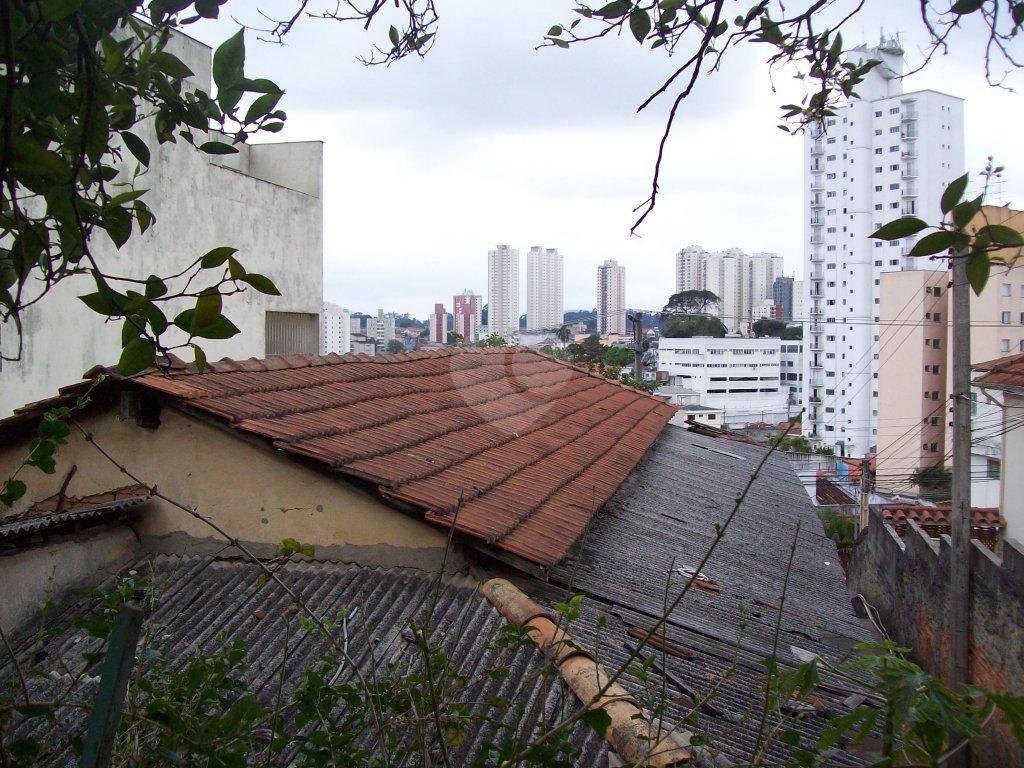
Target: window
<point x="894" y="167"/>
<point x="292" y="333"/>
<point x="1004" y="289"/>
<point x="878" y="150"/>
<point x="878" y="188"/>
<point x="894" y="129"/>
<point x="878" y="113"/>
<point x="878" y="131"/>
<point x="878" y="169"/>
<point x="1006" y="318"/>
<point x="992" y="469"/>
<point x="1004" y="346"/>
<point x="894" y="111"/>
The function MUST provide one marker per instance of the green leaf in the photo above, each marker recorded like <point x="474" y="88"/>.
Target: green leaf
<point x="170" y="65"/>
<point x="34" y="160"/>
<point x="217" y="256"/>
<point x="614" y="9"/>
<point x="127" y="197"/>
<point x="118" y="224"/>
<point x="261" y="283"/>
<point x="217" y="148"/>
<point x="597" y="719"/>
<point x="962" y="7"/>
<point x="639" y="24"/>
<point x="393" y="36"/>
<point x="229" y="61"/>
<point x="200" y="357"/>
<point x="933" y="242"/>
<point x="137" y="355"/>
<point x="894" y="230"/>
<point x="55" y="10"/>
<point x="101" y="303"/>
<point x="954" y="193"/>
<point x="13" y="489"/>
<point x="136" y="146"/>
<point x="208" y="309"/>
<point x="1001" y="234"/>
<point x="262" y="106"/>
<point x="962" y="213"/>
<point x="555" y="31"/>
<point x="977" y="271"/>
<point x="155" y="287"/>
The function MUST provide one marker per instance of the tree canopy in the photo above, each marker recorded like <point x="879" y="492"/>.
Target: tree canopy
<point x="682" y="327"/>
<point x="691" y="303"/>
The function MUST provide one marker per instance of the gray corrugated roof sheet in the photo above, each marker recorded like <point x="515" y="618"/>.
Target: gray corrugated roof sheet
<point x="207" y="603"/>
<point x="43" y="517"/>
<point x="664" y="517"/>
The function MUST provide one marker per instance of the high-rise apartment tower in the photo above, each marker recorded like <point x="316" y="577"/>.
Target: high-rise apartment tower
<point x="544" y="293"/>
<point x="503" y="290"/>
<point x="611" y="297"/>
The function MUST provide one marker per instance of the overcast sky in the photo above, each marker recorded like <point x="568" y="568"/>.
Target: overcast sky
<point x="430" y="162"/>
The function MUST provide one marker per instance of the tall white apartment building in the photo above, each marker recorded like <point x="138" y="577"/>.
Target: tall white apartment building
<point x="382" y="327"/>
<point x="545" y="301"/>
<point x="611" y="297"/>
<point x="799" y="303"/>
<point x="741" y="281"/>
<point x="503" y="290"/>
<point x="467" y="314"/>
<point x="883" y="155"/>
<point x="335" y="330"/>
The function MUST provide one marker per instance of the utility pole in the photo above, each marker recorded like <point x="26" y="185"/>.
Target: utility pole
<point x="638" y="344"/>
<point x="865" y="463"/>
<point x="960" y="514"/>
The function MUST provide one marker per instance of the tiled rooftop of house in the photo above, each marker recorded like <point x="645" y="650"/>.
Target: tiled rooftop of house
<point x="987" y="524"/>
<point x="1001" y="373"/>
<point x="508" y="446"/>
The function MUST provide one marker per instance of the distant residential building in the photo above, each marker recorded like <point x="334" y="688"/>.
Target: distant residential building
<point x="739" y="375"/>
<point x="438" y="325"/>
<point x="799" y="304"/>
<point x="544" y="290"/>
<point x="883" y="155"/>
<point x="782" y="294"/>
<point x="766" y="308"/>
<point x="503" y="290"/>
<point x="915" y="369"/>
<point x="382" y="327"/>
<point x="611" y="297"/>
<point x="363" y="346"/>
<point x="265" y="200"/>
<point x="701" y="414"/>
<point x="742" y="282"/>
<point x="467" y="312"/>
<point x="335" y="330"/>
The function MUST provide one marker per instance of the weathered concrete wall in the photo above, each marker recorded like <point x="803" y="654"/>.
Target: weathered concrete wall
<point x="265" y="201"/>
<point x="908" y="582"/>
<point x="31" y="576"/>
<point x="258" y="496"/>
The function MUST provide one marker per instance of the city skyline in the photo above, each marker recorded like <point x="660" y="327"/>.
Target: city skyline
<point x="432" y="123"/>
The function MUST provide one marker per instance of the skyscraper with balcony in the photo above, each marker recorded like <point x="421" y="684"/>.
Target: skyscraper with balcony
<point x="503" y="290"/>
<point x="884" y="154"/>
<point x="611" y="297"/>
<point x="544" y="293"/>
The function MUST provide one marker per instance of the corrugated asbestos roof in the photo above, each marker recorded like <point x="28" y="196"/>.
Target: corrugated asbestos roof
<point x="207" y="604"/>
<point x="43" y="517"/>
<point x="509" y="446"/>
<point x="664" y="518"/>
<point x="1001" y="373"/>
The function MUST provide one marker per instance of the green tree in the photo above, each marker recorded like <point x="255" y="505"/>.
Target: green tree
<point x="395" y="347"/>
<point x="793" y="333"/>
<point x="492" y="340"/>
<point x="618" y="356"/>
<point x="682" y="327"/>
<point x="564" y="333"/>
<point x="691" y="303"/>
<point x="590" y="350"/>
<point x="766" y="327"/>
<point x="455" y="338"/>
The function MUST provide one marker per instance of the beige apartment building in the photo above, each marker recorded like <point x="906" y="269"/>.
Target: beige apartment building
<point x="915" y="371"/>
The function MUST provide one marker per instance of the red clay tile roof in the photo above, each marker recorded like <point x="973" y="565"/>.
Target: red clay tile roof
<point x="512" y="447"/>
<point x="981" y="517"/>
<point x="1001" y="373"/>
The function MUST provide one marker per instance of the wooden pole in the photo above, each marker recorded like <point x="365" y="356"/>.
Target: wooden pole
<point x="865" y="488"/>
<point x="960" y="514"/>
<point x="638" y="345"/>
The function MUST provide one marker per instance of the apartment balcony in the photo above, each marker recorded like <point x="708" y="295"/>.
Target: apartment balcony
<point x="909" y="113"/>
<point x="909" y="171"/>
<point x="817" y="202"/>
<point x="908" y="152"/>
<point x="909" y="191"/>
<point x="817" y="312"/>
<point x="817" y="329"/>
<point x="817" y="294"/>
<point x="817" y="257"/>
<point x="817" y="221"/>
<point x="817" y="184"/>
<point x="817" y="148"/>
<point x="817" y="275"/>
<point x="816" y="346"/>
<point x="908" y="209"/>
<point x="909" y="133"/>
<point x="817" y="380"/>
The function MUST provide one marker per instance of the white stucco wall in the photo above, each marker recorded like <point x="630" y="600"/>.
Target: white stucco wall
<point x="266" y="202"/>
<point x="1013" y="477"/>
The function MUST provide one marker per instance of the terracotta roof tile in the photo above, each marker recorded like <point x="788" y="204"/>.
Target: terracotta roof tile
<point x="1001" y="373"/>
<point x="506" y="445"/>
<point x="981" y="517"/>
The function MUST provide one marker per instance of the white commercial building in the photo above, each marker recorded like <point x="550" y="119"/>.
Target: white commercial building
<point x="544" y="292"/>
<point x="738" y="375"/>
<point x="265" y="201"/>
<point x="503" y="290"/>
<point x="335" y="330"/>
<point x="883" y="155"/>
<point x="611" y="297"/>
<point x="742" y="281"/>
